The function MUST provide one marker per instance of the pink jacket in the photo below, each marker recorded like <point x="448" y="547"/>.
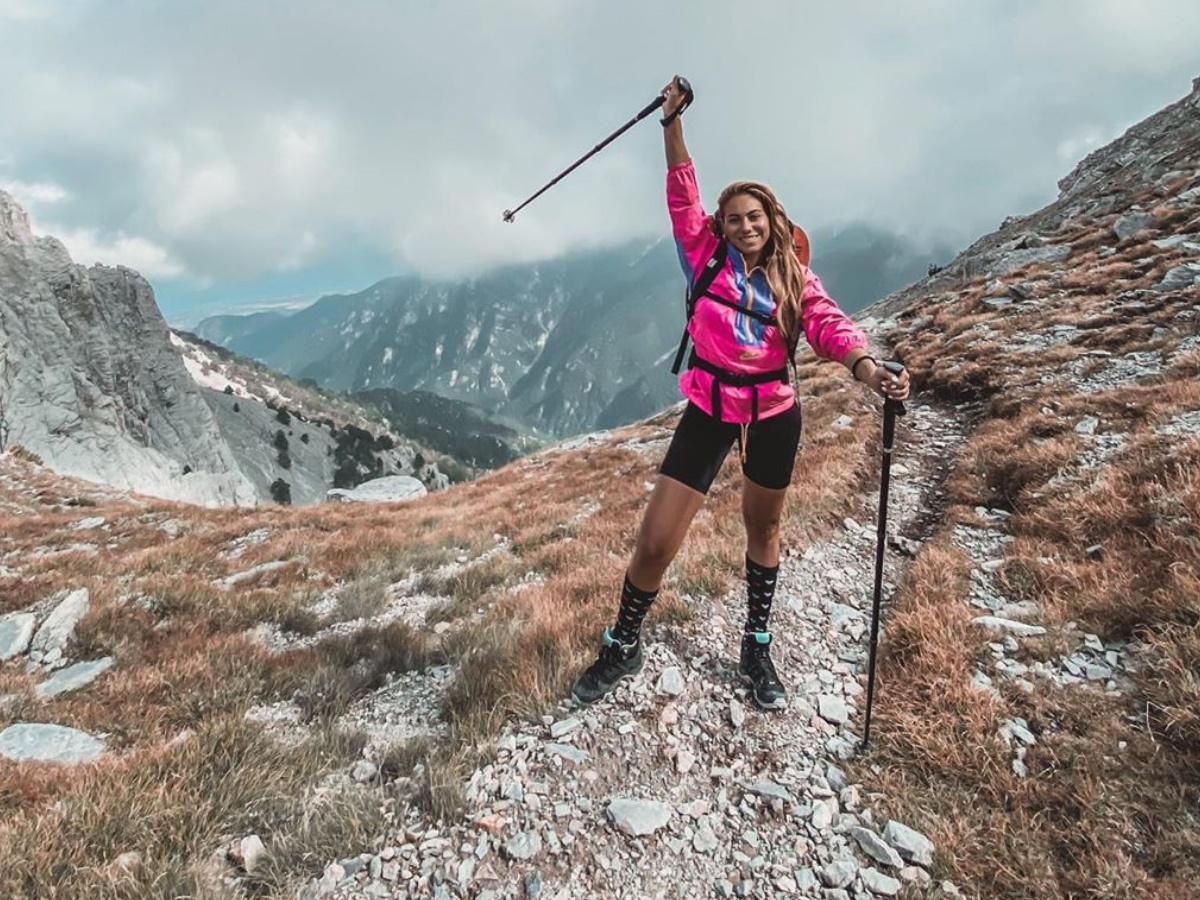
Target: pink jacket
<point x="732" y="340"/>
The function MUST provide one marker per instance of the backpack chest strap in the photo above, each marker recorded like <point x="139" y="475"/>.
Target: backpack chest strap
<point x="765" y="318"/>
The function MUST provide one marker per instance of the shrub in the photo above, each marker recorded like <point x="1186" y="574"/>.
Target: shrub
<point x="281" y="491"/>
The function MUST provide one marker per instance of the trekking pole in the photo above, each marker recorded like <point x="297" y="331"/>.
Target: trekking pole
<point x="689" y="96"/>
<point x="891" y="409"/>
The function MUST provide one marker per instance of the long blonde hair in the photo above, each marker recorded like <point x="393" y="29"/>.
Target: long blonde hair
<point x="784" y="274"/>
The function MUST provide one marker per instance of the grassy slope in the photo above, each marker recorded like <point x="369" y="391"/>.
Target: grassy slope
<point x="189" y="773"/>
<point x="1109" y="808"/>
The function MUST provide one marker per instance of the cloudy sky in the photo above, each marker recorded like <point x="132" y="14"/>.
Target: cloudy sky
<point x="239" y="153"/>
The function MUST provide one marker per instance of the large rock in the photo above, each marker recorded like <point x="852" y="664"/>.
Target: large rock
<point x="48" y="743"/>
<point x="638" y="817"/>
<point x="1180" y="278"/>
<point x="880" y="884"/>
<point x="16" y="631"/>
<point x="381" y="490"/>
<point x="838" y="873"/>
<point x="833" y="709"/>
<point x="72" y="678"/>
<point x="524" y="845"/>
<point x="1020" y="259"/>
<point x="1009" y="626"/>
<point x="1129" y="225"/>
<point x="911" y="844"/>
<point x="59" y="626"/>
<point x="671" y="682"/>
<point x="876" y="847"/>
<point x="769" y="789"/>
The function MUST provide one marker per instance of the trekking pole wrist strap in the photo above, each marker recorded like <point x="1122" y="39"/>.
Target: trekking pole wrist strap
<point x="854" y="368"/>
<point x="667" y="120"/>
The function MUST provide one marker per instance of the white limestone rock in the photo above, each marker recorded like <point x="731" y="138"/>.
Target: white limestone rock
<point x="388" y="489"/>
<point x="72" y="678"/>
<point x="638" y="817"/>
<point x="59" y="626"/>
<point x="49" y="743"/>
<point x="16" y="631"/>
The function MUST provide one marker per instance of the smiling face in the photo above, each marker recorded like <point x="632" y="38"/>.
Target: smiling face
<point x="746" y="225"/>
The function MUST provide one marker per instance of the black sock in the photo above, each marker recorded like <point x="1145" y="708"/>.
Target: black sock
<point x="760" y="591"/>
<point x="635" y="603"/>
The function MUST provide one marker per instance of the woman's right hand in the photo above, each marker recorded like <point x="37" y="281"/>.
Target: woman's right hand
<point x="673" y="97"/>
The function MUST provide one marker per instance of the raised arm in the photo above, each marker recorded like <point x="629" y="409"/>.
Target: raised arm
<point x="689" y="222"/>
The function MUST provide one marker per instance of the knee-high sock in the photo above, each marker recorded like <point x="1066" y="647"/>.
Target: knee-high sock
<point x="760" y="591"/>
<point x="635" y="603"/>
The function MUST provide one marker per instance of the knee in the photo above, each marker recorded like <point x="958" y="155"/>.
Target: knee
<point x="653" y="552"/>
<point x="763" y="531"/>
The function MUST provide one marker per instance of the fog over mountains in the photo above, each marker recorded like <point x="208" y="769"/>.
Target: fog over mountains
<point x="564" y="346"/>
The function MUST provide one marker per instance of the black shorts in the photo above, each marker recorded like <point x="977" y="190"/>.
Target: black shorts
<point x="701" y="444"/>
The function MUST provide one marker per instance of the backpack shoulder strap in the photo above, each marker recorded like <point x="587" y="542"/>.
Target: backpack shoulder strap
<point x="707" y="275"/>
<point x="700" y="287"/>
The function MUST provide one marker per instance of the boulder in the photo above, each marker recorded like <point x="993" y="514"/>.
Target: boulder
<point x="388" y="489"/>
<point x="25" y="742"/>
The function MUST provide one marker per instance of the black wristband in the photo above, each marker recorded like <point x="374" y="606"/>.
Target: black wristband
<point x="667" y="120"/>
<point x="854" y="368"/>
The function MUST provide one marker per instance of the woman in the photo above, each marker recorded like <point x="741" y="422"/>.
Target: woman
<point x="759" y="301"/>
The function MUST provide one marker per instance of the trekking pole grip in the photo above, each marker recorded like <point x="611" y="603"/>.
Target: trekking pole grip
<point x="688" y="94"/>
<point x="896" y="405"/>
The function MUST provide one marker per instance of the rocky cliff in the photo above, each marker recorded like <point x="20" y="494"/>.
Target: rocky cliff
<point x="91" y="383"/>
<point x="95" y="385"/>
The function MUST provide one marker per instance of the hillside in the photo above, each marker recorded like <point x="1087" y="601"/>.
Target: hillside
<point x="364" y="700"/>
<point x="436" y="441"/>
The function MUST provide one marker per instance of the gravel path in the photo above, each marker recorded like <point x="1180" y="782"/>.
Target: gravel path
<point x="677" y="785"/>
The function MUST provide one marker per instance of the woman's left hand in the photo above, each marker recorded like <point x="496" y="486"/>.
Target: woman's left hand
<point x="887" y="385"/>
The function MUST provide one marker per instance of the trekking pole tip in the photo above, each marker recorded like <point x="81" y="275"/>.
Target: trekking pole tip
<point x="509" y="216"/>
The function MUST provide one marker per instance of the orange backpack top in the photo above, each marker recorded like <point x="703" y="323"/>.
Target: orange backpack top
<point x="803" y="245"/>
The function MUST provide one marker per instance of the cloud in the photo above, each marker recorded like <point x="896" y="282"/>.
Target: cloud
<point x="236" y="140"/>
<point x="34" y="194"/>
<point x="25" y="10"/>
<point x="87" y="248"/>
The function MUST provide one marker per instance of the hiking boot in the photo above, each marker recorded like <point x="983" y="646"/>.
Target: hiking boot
<point x="758" y="671"/>
<point x="616" y="661"/>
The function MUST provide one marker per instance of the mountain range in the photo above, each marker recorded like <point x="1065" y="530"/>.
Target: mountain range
<point x="563" y="346"/>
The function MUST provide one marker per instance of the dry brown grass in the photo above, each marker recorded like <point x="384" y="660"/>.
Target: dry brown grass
<point x="1109" y="807"/>
<point x="175" y="805"/>
<point x="185" y="661"/>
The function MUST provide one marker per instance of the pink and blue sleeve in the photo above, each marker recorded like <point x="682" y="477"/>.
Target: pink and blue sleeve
<point x="689" y="222"/>
<point x="830" y="332"/>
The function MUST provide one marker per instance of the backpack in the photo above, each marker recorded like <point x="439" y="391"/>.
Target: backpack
<point x="723" y="376"/>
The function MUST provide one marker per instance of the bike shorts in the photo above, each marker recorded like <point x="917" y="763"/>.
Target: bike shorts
<point x="701" y="443"/>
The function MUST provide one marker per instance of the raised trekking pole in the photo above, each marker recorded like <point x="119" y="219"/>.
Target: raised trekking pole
<point x="689" y="96"/>
<point x="891" y="409"/>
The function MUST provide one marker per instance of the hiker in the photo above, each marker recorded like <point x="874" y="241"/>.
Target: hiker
<point x="760" y="298"/>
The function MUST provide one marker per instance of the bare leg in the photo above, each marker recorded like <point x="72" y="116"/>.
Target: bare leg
<point x="762" y="510"/>
<point x="665" y="523"/>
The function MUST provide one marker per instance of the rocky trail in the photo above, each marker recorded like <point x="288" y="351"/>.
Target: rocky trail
<point x="677" y="785"/>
